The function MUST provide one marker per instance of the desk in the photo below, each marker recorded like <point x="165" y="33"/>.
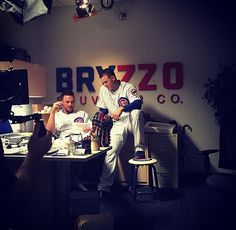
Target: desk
<point x="80" y="158"/>
<point x="55" y="186"/>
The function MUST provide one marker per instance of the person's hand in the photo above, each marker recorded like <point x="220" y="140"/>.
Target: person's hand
<point x="117" y="113"/>
<point x="39" y="146"/>
<point x="86" y="129"/>
<point x="56" y="106"/>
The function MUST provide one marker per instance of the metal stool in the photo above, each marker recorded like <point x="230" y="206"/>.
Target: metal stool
<point x="152" y="176"/>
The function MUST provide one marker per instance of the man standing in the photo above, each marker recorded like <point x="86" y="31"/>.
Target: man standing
<point x="63" y="116"/>
<point x="120" y="101"/>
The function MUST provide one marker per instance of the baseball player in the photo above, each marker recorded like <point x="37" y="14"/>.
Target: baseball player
<point x="62" y="115"/>
<point x="120" y="101"/>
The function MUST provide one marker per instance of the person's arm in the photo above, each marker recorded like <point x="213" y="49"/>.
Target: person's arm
<point x="51" y="120"/>
<point x="37" y="148"/>
<point x="137" y="104"/>
<point x="17" y="190"/>
<point x="7" y="178"/>
<point x="116" y="115"/>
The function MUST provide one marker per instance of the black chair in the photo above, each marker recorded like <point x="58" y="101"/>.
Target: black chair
<point x="220" y="182"/>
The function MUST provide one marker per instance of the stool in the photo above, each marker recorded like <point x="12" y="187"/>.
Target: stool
<point x="152" y="176"/>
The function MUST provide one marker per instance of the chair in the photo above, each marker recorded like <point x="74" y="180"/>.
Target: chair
<point x="220" y="182"/>
<point x="152" y="176"/>
<point x="5" y="127"/>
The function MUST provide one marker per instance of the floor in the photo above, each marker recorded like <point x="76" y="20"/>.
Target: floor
<point x="192" y="206"/>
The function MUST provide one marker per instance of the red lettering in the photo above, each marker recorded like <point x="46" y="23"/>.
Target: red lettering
<point x="83" y="102"/>
<point x="143" y="85"/>
<point x="95" y="99"/>
<point x="129" y="71"/>
<point x="167" y="69"/>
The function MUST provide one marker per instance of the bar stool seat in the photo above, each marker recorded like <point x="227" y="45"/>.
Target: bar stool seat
<point x="152" y="176"/>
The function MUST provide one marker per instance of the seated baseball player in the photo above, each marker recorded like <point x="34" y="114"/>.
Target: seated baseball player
<point x="63" y="116"/>
<point x="120" y="102"/>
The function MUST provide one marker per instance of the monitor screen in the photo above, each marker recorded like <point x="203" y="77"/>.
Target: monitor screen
<point x="14" y="87"/>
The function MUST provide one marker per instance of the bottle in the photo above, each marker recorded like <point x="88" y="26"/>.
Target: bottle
<point x="71" y="146"/>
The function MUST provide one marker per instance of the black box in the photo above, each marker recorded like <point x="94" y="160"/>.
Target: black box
<point x="84" y="202"/>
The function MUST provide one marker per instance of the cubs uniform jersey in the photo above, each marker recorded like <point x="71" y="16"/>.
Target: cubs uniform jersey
<point x="64" y="122"/>
<point x="129" y="122"/>
<point x="111" y="100"/>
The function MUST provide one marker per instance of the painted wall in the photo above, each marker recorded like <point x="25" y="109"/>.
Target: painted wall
<point x="197" y="34"/>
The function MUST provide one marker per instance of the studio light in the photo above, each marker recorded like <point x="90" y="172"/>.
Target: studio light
<point x="84" y="8"/>
<point x="24" y="11"/>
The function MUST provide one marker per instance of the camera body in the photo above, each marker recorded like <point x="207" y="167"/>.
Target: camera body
<point x="14" y="91"/>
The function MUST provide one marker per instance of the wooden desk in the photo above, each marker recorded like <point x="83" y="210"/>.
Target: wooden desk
<point x="50" y="207"/>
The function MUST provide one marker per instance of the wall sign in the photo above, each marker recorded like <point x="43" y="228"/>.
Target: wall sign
<point x="172" y="78"/>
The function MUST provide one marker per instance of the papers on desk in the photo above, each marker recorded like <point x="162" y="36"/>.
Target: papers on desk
<point x="15" y="143"/>
<point x="16" y="150"/>
<point x="78" y="128"/>
<point x="52" y="151"/>
<point x="59" y="147"/>
<point x="58" y="152"/>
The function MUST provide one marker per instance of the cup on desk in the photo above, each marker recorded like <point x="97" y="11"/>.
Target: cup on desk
<point x="95" y="145"/>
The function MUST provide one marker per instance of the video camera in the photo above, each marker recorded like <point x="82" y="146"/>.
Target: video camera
<point x="14" y="91"/>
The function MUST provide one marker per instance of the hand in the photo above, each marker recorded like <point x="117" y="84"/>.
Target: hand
<point x="117" y="113"/>
<point x="86" y="129"/>
<point x="39" y="146"/>
<point x="56" y="106"/>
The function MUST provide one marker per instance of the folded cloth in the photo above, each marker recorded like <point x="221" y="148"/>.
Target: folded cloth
<point x="101" y="128"/>
<point x="105" y="134"/>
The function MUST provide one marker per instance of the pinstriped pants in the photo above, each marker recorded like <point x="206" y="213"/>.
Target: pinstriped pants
<point x="119" y="132"/>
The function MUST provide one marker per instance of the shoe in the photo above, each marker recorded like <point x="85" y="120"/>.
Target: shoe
<point x="139" y="156"/>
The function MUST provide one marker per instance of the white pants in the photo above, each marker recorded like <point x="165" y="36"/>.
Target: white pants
<point x="119" y="132"/>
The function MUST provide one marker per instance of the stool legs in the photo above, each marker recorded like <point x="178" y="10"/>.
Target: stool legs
<point x="152" y="174"/>
<point x="156" y="179"/>
<point x="150" y="177"/>
<point x="134" y="186"/>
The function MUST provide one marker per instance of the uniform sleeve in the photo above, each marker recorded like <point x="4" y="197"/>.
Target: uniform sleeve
<point x="132" y="93"/>
<point x="101" y="98"/>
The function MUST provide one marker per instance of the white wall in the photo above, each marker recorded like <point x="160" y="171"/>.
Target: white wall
<point x="199" y="35"/>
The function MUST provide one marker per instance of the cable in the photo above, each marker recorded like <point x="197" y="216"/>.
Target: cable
<point x="122" y="12"/>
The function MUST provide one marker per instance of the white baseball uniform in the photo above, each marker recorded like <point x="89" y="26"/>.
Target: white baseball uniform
<point x="64" y="122"/>
<point x="129" y="122"/>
